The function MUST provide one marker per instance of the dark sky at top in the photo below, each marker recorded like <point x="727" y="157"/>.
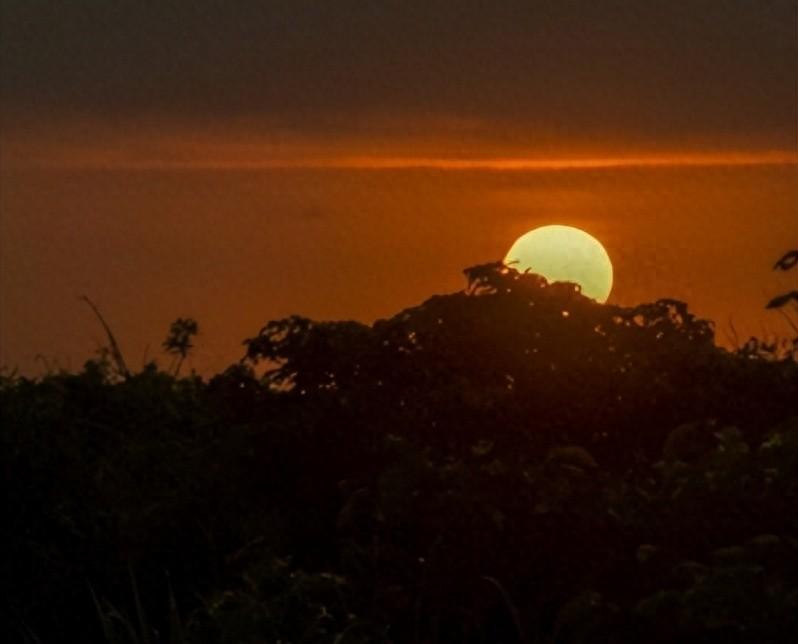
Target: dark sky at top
<point x="717" y="72"/>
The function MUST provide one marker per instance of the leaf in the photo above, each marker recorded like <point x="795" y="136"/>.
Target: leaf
<point x="511" y="607"/>
<point x="146" y="636"/>
<point x="175" y="625"/>
<point x="789" y="260"/>
<point x="781" y="300"/>
<point x="686" y="443"/>
<point x="645" y="552"/>
<point x="107" y="616"/>
<point x="573" y="455"/>
<point x="108" y="630"/>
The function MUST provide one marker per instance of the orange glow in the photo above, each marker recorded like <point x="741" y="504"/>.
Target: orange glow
<point x="195" y="220"/>
<point x="421" y="163"/>
<point x="532" y="164"/>
<point x="171" y="146"/>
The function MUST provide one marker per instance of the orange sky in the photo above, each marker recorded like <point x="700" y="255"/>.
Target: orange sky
<point x="348" y="159"/>
<point x="237" y="247"/>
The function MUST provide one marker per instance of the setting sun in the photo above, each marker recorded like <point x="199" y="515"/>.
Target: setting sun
<point x="564" y="254"/>
<point x="399" y="321"/>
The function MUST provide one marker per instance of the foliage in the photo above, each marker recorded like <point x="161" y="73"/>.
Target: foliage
<point x="178" y="342"/>
<point x="117" y="628"/>
<point x="510" y="463"/>
<point x="788" y="261"/>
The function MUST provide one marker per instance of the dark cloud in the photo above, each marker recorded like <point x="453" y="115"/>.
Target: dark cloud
<point x="699" y="69"/>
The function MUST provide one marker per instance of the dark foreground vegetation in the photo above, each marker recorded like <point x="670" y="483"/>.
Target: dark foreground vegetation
<point x="512" y="463"/>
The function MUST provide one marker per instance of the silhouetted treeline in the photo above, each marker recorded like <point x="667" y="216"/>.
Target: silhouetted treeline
<point x="510" y="463"/>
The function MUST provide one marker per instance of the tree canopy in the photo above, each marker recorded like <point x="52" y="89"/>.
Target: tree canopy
<point x="513" y="462"/>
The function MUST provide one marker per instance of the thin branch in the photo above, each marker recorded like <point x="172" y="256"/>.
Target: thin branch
<point x="116" y="353"/>
<point x="144" y="356"/>
<point x="790" y="321"/>
<point x="732" y="335"/>
<point x="179" y="364"/>
<point x="511" y="607"/>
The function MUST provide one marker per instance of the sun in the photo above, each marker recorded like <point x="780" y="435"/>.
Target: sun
<point x="564" y="254"/>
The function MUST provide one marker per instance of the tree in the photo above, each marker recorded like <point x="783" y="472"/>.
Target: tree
<point x="178" y="341"/>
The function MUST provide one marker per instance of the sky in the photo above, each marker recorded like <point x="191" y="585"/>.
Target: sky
<point x="238" y="162"/>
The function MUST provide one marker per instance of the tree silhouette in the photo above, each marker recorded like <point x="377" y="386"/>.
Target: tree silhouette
<point x="178" y="341"/>
<point x="510" y="462"/>
<point x="512" y="344"/>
